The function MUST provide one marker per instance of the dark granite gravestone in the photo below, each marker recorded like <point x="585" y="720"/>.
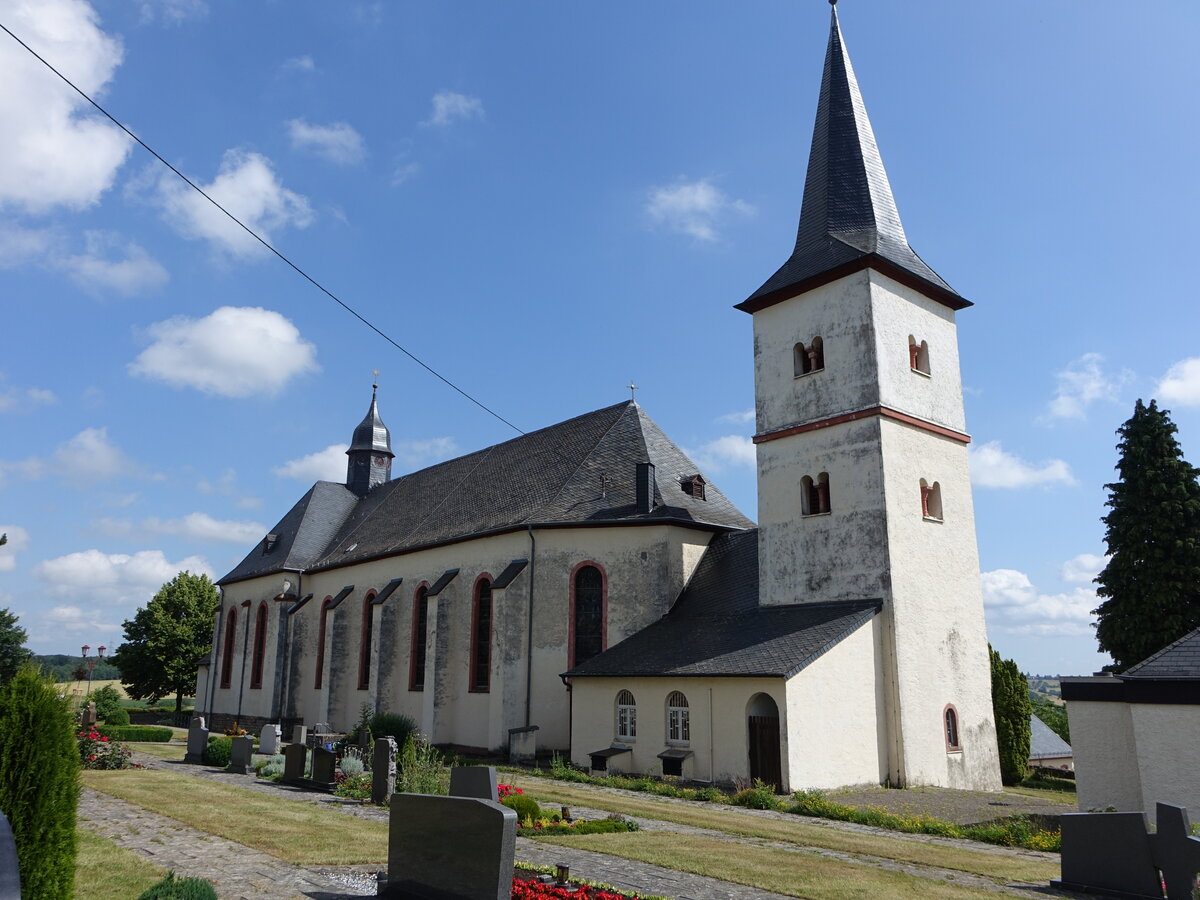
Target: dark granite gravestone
<point x="1176" y="852"/>
<point x="450" y="848"/>
<point x="324" y="766"/>
<point x="295" y="757"/>
<point x="197" y="741"/>
<point x="474" y="781"/>
<point x="241" y="755"/>
<point x="383" y="770"/>
<point x="10" y="875"/>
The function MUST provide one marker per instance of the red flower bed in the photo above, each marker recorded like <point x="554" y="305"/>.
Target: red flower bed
<point x="507" y="790"/>
<point x="533" y="890"/>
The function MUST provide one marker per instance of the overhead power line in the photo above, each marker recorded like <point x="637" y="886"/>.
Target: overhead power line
<point x="250" y="231"/>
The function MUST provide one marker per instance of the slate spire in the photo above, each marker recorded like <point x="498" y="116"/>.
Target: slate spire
<point x="848" y="220"/>
<point x="370" y="452"/>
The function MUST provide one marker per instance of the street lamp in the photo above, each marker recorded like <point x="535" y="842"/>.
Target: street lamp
<point x="90" y="661"/>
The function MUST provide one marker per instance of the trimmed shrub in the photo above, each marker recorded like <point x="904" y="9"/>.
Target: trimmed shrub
<point x="593" y="826"/>
<point x="39" y="783"/>
<point x="172" y="888"/>
<point x="394" y="725"/>
<point x="135" y="733"/>
<point x="118" y="717"/>
<point x="524" y="807"/>
<point x="107" y="699"/>
<point x="218" y="752"/>
<point x="351" y="766"/>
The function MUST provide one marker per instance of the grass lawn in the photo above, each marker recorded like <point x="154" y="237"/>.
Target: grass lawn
<point x="291" y="830"/>
<point x="104" y="871"/>
<point x="792" y="873"/>
<point x="161" y="750"/>
<point x="991" y="865"/>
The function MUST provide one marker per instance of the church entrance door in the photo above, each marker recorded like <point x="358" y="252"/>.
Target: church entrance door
<point x="762" y="717"/>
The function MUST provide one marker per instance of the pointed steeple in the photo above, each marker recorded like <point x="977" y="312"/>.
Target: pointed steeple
<point x="848" y="220"/>
<point x="370" y="452"/>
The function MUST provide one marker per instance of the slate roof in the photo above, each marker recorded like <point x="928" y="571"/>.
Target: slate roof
<point x="1044" y="743"/>
<point x="1180" y="660"/>
<point x="848" y="218"/>
<point x="371" y="434"/>
<point x="717" y="628"/>
<point x="581" y="471"/>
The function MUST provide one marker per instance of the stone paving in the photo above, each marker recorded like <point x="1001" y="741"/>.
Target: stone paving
<point x="240" y="872"/>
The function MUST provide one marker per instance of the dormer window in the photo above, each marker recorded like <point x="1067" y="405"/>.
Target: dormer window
<point x="918" y="355"/>
<point x="693" y="486"/>
<point x="269" y="542"/>
<point x="809" y="358"/>
<point x="814" y="495"/>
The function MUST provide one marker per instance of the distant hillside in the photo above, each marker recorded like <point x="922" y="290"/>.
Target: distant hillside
<point x="63" y="667"/>
<point x="1045" y="686"/>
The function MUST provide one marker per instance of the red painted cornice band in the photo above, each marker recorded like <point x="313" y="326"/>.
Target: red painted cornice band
<point x="870" y="411"/>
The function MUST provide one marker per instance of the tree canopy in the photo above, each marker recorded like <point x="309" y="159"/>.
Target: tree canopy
<point x="13" y="653"/>
<point x="1011" y="710"/>
<point x="1151" y="585"/>
<point x="164" y="640"/>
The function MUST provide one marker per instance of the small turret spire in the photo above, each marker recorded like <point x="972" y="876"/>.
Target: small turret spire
<point x="370" y="454"/>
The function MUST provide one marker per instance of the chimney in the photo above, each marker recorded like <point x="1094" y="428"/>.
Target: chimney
<point x="645" y="487"/>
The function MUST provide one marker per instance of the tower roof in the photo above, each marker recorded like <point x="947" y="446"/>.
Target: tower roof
<point x="848" y="220"/>
<point x="371" y="434"/>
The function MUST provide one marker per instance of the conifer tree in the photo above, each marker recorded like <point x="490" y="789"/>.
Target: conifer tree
<point x="13" y="652"/>
<point x="1011" y="709"/>
<point x="1151" y="585"/>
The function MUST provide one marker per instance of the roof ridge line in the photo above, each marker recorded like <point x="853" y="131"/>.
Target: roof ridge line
<point x="569" y="480"/>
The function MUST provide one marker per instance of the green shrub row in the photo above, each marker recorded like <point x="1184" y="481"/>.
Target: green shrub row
<point x="563" y="771"/>
<point x="135" y="733"/>
<point x="592" y="826"/>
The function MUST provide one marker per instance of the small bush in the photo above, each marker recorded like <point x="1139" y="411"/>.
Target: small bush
<point x="525" y="807"/>
<point x="107" y="700"/>
<point x="420" y="770"/>
<point x="218" y="752"/>
<point x="172" y="888"/>
<point x="393" y="725"/>
<point x="136" y="733"/>
<point x="352" y="766"/>
<point x="592" y="826"/>
<point x="761" y="796"/>
<point x="270" y="768"/>
<point x="96" y="751"/>
<point x="118" y="717"/>
<point x="707" y="795"/>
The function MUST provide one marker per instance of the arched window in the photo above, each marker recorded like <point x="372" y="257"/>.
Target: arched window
<point x="366" y="633"/>
<point x="230" y="641"/>
<point x="319" y="678"/>
<point x="626" y="716"/>
<point x="260" y="647"/>
<point x="420" y="630"/>
<point x="918" y="355"/>
<point x="587" y="613"/>
<point x="679" y="729"/>
<point x="950" y="722"/>
<point x="931" y="501"/>
<point x="481" y="636"/>
<point x="807" y="359"/>
<point x="814" y="495"/>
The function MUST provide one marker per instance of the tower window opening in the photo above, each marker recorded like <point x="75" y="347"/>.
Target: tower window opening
<point x="808" y="359"/>
<point x="918" y="355"/>
<point x="950" y="722"/>
<point x="931" y="501"/>
<point x="815" y="495"/>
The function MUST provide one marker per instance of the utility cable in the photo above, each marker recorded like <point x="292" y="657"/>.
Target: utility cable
<point x="324" y="290"/>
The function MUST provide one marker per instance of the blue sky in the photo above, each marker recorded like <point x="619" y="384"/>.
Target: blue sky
<point x="544" y="200"/>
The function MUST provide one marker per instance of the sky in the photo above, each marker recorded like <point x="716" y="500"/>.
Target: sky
<point x="544" y="201"/>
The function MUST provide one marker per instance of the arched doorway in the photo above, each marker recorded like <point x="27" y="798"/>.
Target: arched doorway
<point x="762" y="719"/>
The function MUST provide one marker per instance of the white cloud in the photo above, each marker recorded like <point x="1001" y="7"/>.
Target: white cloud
<point x="337" y="142"/>
<point x="1081" y="384"/>
<point x="403" y="172"/>
<point x="19" y="246"/>
<point x="1013" y="605"/>
<point x="55" y="152"/>
<point x="1181" y="384"/>
<point x="18" y="540"/>
<point x="1083" y="568"/>
<point x="73" y="620"/>
<point x="113" y="578"/>
<point x="411" y="455"/>
<point x="695" y="208"/>
<point x="246" y="185"/>
<point x="324" y="465"/>
<point x="172" y="12"/>
<point x="90" y="456"/>
<point x="111" y="264"/>
<point x="992" y="466"/>
<point x="232" y="352"/>
<point x="729" y="450"/>
<point x="195" y="526"/>
<point x="449" y="107"/>
<point x="741" y="417"/>
<point x="14" y="399"/>
<point x="299" y="64"/>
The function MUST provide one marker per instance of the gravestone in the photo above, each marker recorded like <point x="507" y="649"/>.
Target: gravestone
<point x="241" y="755"/>
<point x="268" y="739"/>
<point x="474" y="781"/>
<point x="1176" y="852"/>
<point x="300" y="734"/>
<point x="10" y="876"/>
<point x="364" y="738"/>
<point x="295" y="756"/>
<point x="324" y="765"/>
<point x="88" y="719"/>
<point x="450" y="848"/>
<point x="383" y="770"/>
<point x="522" y="744"/>
<point x="197" y="741"/>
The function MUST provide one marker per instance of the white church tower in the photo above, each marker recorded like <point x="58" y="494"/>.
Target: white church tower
<point x="863" y="487"/>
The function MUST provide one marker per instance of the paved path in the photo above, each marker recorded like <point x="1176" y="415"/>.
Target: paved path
<point x="240" y="872"/>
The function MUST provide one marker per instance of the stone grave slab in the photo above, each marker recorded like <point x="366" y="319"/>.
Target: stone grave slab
<point x="295" y="757"/>
<point x="1176" y="852"/>
<point x="10" y="876"/>
<point x="474" y="781"/>
<point x="450" y="848"/>
<point x="268" y="739"/>
<point x="324" y="765"/>
<point x="300" y="734"/>
<point x="1109" y="851"/>
<point x="383" y="770"/>
<point x="197" y="741"/>
<point x="240" y="760"/>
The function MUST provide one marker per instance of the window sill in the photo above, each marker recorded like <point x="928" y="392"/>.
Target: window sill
<point x="936" y="519"/>
<point x="806" y="374"/>
<point x="681" y="745"/>
<point x="954" y="749"/>
<point x="816" y="515"/>
<point x="480" y="690"/>
<point x="919" y="372"/>
<point x="416" y="690"/>
<point x="624" y="740"/>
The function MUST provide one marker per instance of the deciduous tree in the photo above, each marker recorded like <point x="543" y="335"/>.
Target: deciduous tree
<point x="1151" y="585"/>
<point x="164" y="640"/>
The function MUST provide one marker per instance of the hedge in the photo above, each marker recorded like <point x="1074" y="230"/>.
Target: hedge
<point x="136" y="733"/>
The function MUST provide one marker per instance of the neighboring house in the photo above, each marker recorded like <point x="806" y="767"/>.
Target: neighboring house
<point x="1046" y="749"/>
<point x="1136" y="736"/>
<point x="588" y="580"/>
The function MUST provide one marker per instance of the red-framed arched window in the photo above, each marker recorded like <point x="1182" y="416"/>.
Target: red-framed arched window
<point x="260" y="647"/>
<point x="324" y="621"/>
<point x="588" y="613"/>
<point x="481" y="635"/>
<point x="230" y="641"/>
<point x="950" y="727"/>
<point x="366" y="632"/>
<point x="420" y="630"/>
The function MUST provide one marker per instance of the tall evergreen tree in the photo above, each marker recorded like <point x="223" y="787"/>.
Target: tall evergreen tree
<point x="1151" y="585"/>
<point x="13" y="653"/>
<point x="1011" y="710"/>
<point x="164" y="640"/>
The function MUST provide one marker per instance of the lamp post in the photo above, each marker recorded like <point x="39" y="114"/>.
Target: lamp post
<point x="90" y="661"/>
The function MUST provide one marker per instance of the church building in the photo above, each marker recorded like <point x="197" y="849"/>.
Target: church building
<point x="587" y="583"/>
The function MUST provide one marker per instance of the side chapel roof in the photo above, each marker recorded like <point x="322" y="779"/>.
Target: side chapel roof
<point x="716" y="627"/>
<point x="1180" y="659"/>
<point x="1044" y="743"/>
<point x="581" y="471"/>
